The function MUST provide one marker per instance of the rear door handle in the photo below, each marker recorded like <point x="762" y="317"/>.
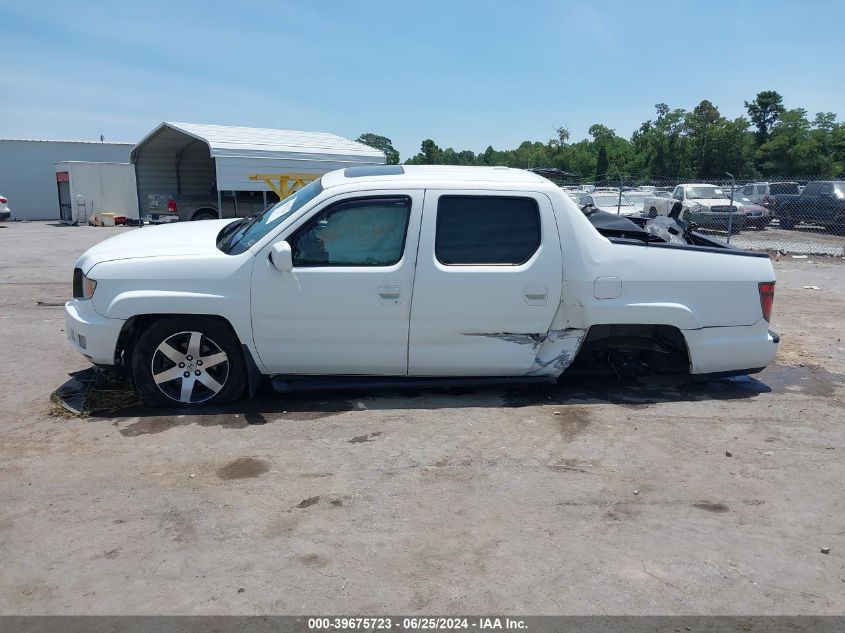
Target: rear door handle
<point x="389" y="295"/>
<point x="536" y="295"/>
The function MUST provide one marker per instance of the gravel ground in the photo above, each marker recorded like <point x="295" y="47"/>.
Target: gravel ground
<point x="802" y="239"/>
<point x="659" y="497"/>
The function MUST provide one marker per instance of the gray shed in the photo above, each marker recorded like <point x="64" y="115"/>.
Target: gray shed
<point x="197" y="162"/>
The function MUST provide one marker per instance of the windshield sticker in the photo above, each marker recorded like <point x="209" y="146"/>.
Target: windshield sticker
<point x="280" y="210"/>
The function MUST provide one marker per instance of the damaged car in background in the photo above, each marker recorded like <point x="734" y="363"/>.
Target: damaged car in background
<point x="416" y="274"/>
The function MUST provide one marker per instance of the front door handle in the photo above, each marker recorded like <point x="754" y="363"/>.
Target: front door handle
<point x="389" y="295"/>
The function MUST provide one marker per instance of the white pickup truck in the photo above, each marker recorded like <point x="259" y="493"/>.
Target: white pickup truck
<point x="413" y="274"/>
<point x="707" y="206"/>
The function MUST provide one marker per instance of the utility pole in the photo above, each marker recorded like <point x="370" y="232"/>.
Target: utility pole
<point x="731" y="207"/>
<point x="619" y="203"/>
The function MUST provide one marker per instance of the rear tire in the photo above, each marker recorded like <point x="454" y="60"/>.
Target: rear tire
<point x="652" y="213"/>
<point x="207" y="214"/>
<point x="188" y="361"/>
<point x="787" y="223"/>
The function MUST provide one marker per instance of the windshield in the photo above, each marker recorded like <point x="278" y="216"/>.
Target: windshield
<point x="784" y="187"/>
<point x="610" y="201"/>
<point x="253" y="229"/>
<point x="705" y="192"/>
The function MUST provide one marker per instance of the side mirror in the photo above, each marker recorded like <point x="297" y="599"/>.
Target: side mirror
<point x="281" y="256"/>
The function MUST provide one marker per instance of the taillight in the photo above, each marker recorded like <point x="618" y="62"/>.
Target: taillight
<point x="171" y="206"/>
<point x="3" y="200"/>
<point x="767" y="297"/>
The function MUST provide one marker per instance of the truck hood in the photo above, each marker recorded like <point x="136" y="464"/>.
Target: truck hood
<point x="180" y="238"/>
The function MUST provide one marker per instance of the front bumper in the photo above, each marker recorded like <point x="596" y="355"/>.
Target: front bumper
<point x="92" y="335"/>
<point x="161" y="218"/>
<point x="719" y="221"/>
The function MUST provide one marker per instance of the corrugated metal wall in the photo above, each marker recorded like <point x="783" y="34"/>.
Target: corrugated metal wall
<point x="28" y="172"/>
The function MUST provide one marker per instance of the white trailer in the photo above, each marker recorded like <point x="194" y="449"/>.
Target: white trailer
<point x="86" y="188"/>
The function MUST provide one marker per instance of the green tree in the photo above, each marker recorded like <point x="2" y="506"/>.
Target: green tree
<point x="382" y="143"/>
<point x="680" y="144"/>
<point x="429" y="154"/>
<point x="790" y="148"/>
<point x="764" y="112"/>
<point x="602" y="164"/>
<point x="659" y="146"/>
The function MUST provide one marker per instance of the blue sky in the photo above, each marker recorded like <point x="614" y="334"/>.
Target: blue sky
<point x="465" y="73"/>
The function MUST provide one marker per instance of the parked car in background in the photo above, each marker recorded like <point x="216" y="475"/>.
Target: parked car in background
<point x="165" y="208"/>
<point x="756" y="216"/>
<point x="5" y="211"/>
<point x="610" y="202"/>
<point x="637" y="199"/>
<point x="574" y="193"/>
<point x="822" y="203"/>
<point x="703" y="204"/>
<point x="761" y="192"/>
<point x="510" y="281"/>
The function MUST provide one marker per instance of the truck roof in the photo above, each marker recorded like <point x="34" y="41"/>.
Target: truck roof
<point x="429" y="173"/>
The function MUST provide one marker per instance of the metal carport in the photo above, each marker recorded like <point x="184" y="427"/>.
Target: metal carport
<point x="205" y="160"/>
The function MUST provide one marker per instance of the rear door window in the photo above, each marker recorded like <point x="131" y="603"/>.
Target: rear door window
<point x="486" y="230"/>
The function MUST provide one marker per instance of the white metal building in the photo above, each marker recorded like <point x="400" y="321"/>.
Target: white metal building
<point x="28" y="171"/>
<point x="86" y="188"/>
<point x="205" y="161"/>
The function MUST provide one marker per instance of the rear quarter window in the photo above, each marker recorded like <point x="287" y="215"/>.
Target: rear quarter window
<point x="482" y="230"/>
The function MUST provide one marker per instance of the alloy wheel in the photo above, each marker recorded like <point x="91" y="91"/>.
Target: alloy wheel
<point x="189" y="367"/>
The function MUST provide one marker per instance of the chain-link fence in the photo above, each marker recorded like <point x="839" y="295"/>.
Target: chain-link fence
<point x="790" y="215"/>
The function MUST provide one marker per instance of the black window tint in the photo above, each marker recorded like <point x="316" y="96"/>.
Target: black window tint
<point x="813" y="188"/>
<point x="364" y="232"/>
<point x="486" y="230"/>
<point x="784" y="187"/>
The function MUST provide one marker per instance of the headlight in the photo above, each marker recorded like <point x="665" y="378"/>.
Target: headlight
<point x="83" y="287"/>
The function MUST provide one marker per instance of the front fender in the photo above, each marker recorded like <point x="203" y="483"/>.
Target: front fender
<point x="135" y="302"/>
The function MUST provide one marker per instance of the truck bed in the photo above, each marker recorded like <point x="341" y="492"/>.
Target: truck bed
<point x="631" y="231"/>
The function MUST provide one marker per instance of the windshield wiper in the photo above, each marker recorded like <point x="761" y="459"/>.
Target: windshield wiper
<point x="238" y="229"/>
<point x="227" y="231"/>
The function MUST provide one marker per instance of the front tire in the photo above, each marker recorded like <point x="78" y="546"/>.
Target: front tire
<point x="188" y="361"/>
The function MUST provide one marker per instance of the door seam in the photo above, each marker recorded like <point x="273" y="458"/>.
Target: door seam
<point x="413" y="285"/>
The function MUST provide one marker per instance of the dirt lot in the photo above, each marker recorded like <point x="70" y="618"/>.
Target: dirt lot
<point x="583" y="498"/>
